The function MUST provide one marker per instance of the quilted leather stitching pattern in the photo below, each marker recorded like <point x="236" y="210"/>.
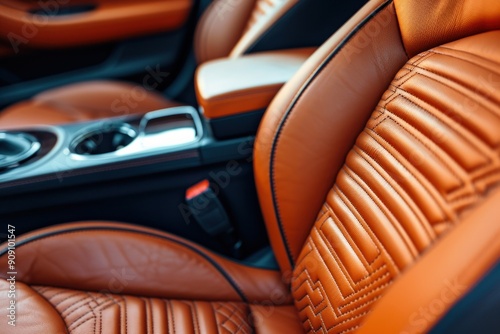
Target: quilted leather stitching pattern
<point x="429" y="152"/>
<point x="89" y="312"/>
<point x="232" y="318"/>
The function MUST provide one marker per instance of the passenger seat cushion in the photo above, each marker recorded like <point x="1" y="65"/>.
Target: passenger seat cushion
<point x="57" y="311"/>
<point x="138" y="261"/>
<point x="84" y="102"/>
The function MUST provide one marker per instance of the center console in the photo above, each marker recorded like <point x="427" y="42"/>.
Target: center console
<point x="132" y="169"/>
<point x="137" y="168"/>
<point x="36" y="155"/>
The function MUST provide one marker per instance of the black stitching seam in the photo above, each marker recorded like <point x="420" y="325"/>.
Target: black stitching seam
<point x="197" y="251"/>
<point x="290" y="109"/>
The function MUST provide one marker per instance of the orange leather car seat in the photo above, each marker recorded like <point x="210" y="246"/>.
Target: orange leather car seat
<point x="378" y="173"/>
<point x="228" y="28"/>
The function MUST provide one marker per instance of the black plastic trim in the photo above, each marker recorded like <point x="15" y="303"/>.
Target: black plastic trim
<point x="290" y="109"/>
<point x="239" y="125"/>
<point x="81" y="229"/>
<point x="477" y="311"/>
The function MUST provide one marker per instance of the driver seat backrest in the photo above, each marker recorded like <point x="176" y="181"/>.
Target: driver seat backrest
<point x="391" y="131"/>
<point x="233" y="28"/>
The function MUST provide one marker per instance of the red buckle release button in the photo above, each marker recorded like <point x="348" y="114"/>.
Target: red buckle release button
<point x="197" y="189"/>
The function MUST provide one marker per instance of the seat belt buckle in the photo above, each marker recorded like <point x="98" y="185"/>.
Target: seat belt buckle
<point x="211" y="215"/>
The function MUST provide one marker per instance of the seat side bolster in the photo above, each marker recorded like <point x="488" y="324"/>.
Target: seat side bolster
<point x="449" y="270"/>
<point x="333" y="106"/>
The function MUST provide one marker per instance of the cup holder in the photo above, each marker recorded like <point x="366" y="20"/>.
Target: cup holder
<point x="16" y="148"/>
<point x="156" y="131"/>
<point x="106" y="139"/>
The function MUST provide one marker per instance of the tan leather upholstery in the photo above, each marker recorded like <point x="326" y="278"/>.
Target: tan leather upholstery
<point x="457" y="263"/>
<point x="107" y="21"/>
<point x="33" y="314"/>
<point x="222" y="25"/>
<point x="85" y="312"/>
<point x="425" y="24"/>
<point x="58" y="311"/>
<point x="229" y="27"/>
<point x="396" y="192"/>
<point x="171" y="285"/>
<point x="229" y="86"/>
<point x="213" y="38"/>
<point x="72" y="104"/>
<point x="334" y="98"/>
<point x="263" y="16"/>
<point x="378" y="171"/>
<point x="412" y="173"/>
<point x="173" y="267"/>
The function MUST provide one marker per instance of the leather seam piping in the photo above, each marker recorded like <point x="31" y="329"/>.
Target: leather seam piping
<point x="401" y="35"/>
<point x="445" y="120"/>
<point x="297" y="96"/>
<point x="410" y="98"/>
<point x="387" y="212"/>
<point x="343" y="270"/>
<point x="397" y="188"/>
<point x="443" y="75"/>
<point x="261" y="36"/>
<point x="171" y="309"/>
<point x="450" y="50"/>
<point x="195" y="316"/>
<point x="356" y="214"/>
<point x="213" y="262"/>
<point x="449" y="53"/>
<point x="337" y="221"/>
<point x="351" y="206"/>
<point x="381" y="141"/>
<point x="400" y="193"/>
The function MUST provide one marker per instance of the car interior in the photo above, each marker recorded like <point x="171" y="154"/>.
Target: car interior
<point x="249" y="166"/>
